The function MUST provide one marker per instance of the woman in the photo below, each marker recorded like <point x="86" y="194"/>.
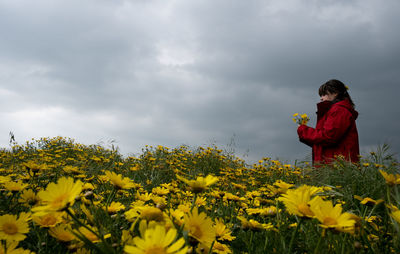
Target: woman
<point x="336" y="131"/>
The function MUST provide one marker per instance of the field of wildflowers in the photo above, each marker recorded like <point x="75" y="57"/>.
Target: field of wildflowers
<point x="58" y="196"/>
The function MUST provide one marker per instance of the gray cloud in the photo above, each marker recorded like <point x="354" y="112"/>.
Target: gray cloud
<point x="195" y="72"/>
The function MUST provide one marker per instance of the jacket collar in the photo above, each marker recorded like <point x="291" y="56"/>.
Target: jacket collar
<point x="323" y="107"/>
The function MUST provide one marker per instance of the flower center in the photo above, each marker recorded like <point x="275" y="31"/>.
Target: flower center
<point x="196" y="231"/>
<point x="152" y="214"/>
<point x="49" y="220"/>
<point x="304" y="209"/>
<point x="156" y="250"/>
<point x="10" y="228"/>
<point x="58" y="202"/>
<point x="329" y="221"/>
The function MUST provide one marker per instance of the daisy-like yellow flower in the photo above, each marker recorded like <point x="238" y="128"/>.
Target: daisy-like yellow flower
<point x="31" y="165"/>
<point x="268" y="211"/>
<point x="144" y="197"/>
<point x="119" y="181"/>
<point x="223" y="233"/>
<point x="160" y="191"/>
<point x="217" y="248"/>
<point x="201" y="201"/>
<point x="115" y="207"/>
<point x="62" y="233"/>
<point x="200" y="184"/>
<point x="160" y="202"/>
<point x="297" y="201"/>
<point x="88" y="186"/>
<point x="331" y="216"/>
<point x="11" y="247"/>
<point x="231" y="197"/>
<point x="368" y="201"/>
<point x="396" y="215"/>
<point x="15" y="186"/>
<point x="13" y="228"/>
<point x="283" y="186"/>
<point x="390" y="179"/>
<point x="28" y="197"/>
<point x="177" y="216"/>
<point x="147" y="213"/>
<point x="48" y="220"/>
<point x="5" y="179"/>
<point x="200" y="227"/>
<point x="254" y="225"/>
<point x="72" y="170"/>
<point x="83" y="231"/>
<point x="58" y="196"/>
<point x="157" y="240"/>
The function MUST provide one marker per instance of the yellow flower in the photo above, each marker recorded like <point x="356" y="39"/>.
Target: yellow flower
<point x="15" y="186"/>
<point x="144" y="197"/>
<point x="268" y="211"/>
<point x="297" y="201"/>
<point x="90" y="234"/>
<point x="331" y="216"/>
<point x="160" y="191"/>
<point x="254" y="225"/>
<point x="201" y="201"/>
<point x="222" y="232"/>
<point x="115" y="207"/>
<point x="13" y="228"/>
<point x="157" y="240"/>
<point x="62" y="233"/>
<point x="177" y="216"/>
<point x="28" y="197"/>
<point x="283" y="186"/>
<point x="58" y="196"/>
<point x="119" y="181"/>
<point x="391" y="179"/>
<point x="5" y="179"/>
<point x="200" y="184"/>
<point x="31" y="165"/>
<point x="11" y="247"/>
<point x="218" y="248"/>
<point x="396" y="215"/>
<point x="148" y="213"/>
<point x="368" y="201"/>
<point x="49" y="219"/>
<point x="200" y="227"/>
<point x="300" y="119"/>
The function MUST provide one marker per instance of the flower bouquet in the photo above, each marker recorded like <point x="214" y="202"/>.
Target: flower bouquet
<point x="300" y="119"/>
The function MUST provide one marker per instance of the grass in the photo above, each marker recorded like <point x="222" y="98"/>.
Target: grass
<point x="240" y="188"/>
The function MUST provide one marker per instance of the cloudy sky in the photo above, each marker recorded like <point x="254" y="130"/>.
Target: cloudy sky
<point x="195" y="72"/>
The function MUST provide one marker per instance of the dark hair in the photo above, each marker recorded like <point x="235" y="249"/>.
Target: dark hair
<point x="335" y="86"/>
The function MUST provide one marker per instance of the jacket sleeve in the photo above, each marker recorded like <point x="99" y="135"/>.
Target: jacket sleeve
<point x="334" y="128"/>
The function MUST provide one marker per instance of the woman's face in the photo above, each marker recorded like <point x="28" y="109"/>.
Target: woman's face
<point x="328" y="97"/>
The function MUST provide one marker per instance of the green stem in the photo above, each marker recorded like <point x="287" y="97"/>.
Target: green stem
<point x="294" y="235"/>
<point x="212" y="245"/>
<point x="193" y="202"/>
<point x="388" y="194"/>
<point x="344" y="243"/>
<point x="251" y="240"/>
<point x="81" y="223"/>
<point x="92" y="231"/>
<point x="110" y="198"/>
<point x="265" y="243"/>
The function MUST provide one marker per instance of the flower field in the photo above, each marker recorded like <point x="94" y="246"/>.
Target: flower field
<point x="58" y="196"/>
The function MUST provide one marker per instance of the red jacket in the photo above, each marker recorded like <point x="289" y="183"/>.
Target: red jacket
<point x="335" y="133"/>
